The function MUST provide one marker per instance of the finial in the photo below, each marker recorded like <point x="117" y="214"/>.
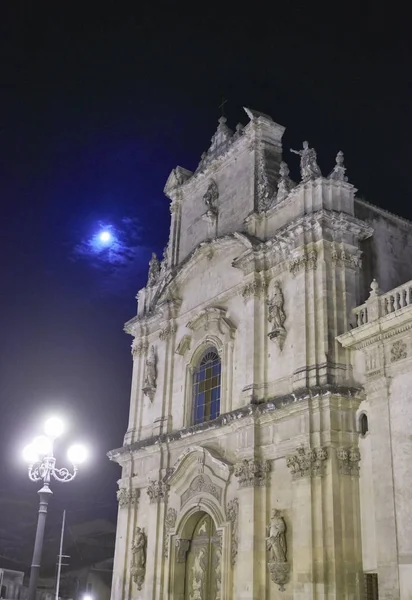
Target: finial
<point x="375" y="291"/>
<point x="222" y="120"/>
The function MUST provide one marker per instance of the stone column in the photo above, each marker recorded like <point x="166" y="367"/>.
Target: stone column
<point x="252" y="475"/>
<point x="155" y="563"/>
<point x="128" y="502"/>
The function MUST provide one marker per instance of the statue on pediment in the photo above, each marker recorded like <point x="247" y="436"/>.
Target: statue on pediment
<point x="154" y="271"/>
<point x="309" y="168"/>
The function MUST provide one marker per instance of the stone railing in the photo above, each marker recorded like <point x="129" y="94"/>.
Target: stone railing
<point x="379" y="305"/>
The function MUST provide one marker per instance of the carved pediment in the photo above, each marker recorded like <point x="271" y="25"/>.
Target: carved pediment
<point x="196" y="460"/>
<point x="212" y="319"/>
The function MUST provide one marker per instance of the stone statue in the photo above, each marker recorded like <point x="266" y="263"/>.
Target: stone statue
<point x="309" y="168"/>
<point x="150" y="377"/>
<point x="285" y="184"/>
<point x="275" y="305"/>
<point x="338" y="173"/>
<point x="276" y="540"/>
<point x="211" y="196"/>
<point x="154" y="270"/>
<point x="138" y="568"/>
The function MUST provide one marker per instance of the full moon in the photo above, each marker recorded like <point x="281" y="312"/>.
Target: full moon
<point x="105" y="236"/>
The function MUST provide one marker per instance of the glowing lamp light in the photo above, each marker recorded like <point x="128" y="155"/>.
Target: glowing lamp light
<point x="87" y="597"/>
<point x="77" y="454"/>
<point x="53" y="427"/>
<point x="105" y="237"/>
<point x="30" y="455"/>
<point x="43" y="445"/>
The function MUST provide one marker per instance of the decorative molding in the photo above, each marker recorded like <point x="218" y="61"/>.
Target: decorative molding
<point x="307" y="261"/>
<point x="398" y="351"/>
<point x="170" y="523"/>
<point x="127" y="497"/>
<point x="348" y="461"/>
<point x="139" y="347"/>
<point x="276" y="546"/>
<point x="184" y="345"/>
<point x="232" y="514"/>
<point x="307" y="462"/>
<point x="252" y="472"/>
<point x="138" y="566"/>
<point x="169" y="330"/>
<point x="201" y="484"/>
<point x="256" y="288"/>
<point x="157" y="491"/>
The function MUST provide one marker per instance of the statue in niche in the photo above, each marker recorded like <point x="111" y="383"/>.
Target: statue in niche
<point x="154" y="270"/>
<point x="278" y="565"/>
<point x="309" y="168"/>
<point x="150" y="376"/>
<point x="276" y="540"/>
<point x="277" y="316"/>
<point x="138" y="567"/>
<point x="211" y="196"/>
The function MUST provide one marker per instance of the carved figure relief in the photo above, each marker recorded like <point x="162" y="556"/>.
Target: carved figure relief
<point x="149" y="387"/>
<point x="309" y="168"/>
<point x="138" y="567"/>
<point x="277" y="550"/>
<point x="203" y="562"/>
<point x="277" y="315"/>
<point x="154" y="271"/>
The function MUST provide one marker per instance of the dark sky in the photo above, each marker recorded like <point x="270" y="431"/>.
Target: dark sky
<point x="97" y="106"/>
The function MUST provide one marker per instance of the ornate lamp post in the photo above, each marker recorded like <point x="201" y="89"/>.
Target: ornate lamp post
<point x="42" y="467"/>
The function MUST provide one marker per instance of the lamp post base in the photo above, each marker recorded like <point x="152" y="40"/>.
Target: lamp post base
<point x="44" y="493"/>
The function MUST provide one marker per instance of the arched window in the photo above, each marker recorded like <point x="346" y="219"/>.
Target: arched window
<point x="363" y="424"/>
<point x="206" y="387"/>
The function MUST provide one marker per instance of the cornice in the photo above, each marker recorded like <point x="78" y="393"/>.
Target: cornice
<point x="254" y="411"/>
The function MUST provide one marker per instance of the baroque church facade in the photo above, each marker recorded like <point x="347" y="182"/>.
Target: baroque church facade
<point x="268" y="450"/>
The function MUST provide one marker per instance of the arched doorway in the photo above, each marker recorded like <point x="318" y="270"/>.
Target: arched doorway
<point x="203" y="561"/>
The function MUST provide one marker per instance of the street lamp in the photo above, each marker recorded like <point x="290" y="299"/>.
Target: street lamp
<point x="42" y="466"/>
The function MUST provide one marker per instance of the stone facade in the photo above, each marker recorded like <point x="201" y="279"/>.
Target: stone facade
<point x="274" y="491"/>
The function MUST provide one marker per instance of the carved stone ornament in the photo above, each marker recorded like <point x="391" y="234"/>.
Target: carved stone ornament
<point x="138" y="566"/>
<point x="201" y="483"/>
<point x="277" y="315"/>
<point x="170" y="522"/>
<point x="309" y="168"/>
<point x="184" y="345"/>
<point x="139" y="347"/>
<point x="182" y="547"/>
<point x="127" y="497"/>
<point x="338" y="173"/>
<point x="278" y="565"/>
<point x="157" y="491"/>
<point x="167" y="331"/>
<point x="256" y="288"/>
<point x="252" y="472"/>
<point x="343" y="258"/>
<point x="398" y="351"/>
<point x="232" y="513"/>
<point x="149" y="387"/>
<point x="348" y="461"/>
<point x="307" y="261"/>
<point x="307" y="462"/>
<point x="264" y="192"/>
<point x="154" y="271"/>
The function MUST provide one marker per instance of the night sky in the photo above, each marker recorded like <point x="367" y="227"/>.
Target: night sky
<point x="97" y="107"/>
